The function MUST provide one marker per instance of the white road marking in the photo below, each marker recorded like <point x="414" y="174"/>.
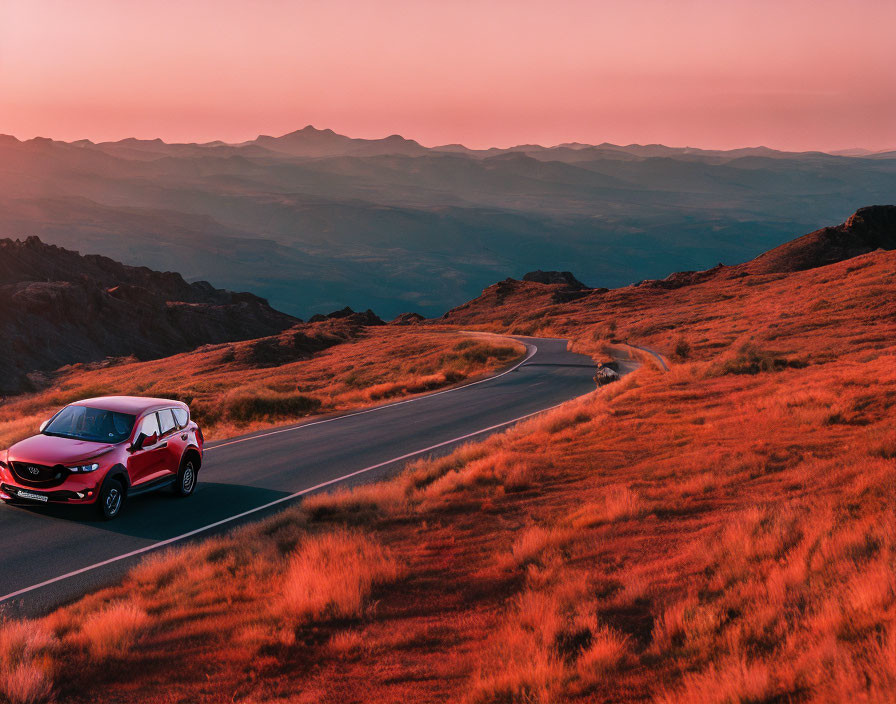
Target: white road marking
<point x="291" y="497"/>
<point x="531" y="350"/>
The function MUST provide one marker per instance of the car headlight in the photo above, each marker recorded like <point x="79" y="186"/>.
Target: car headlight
<point x="85" y="467"/>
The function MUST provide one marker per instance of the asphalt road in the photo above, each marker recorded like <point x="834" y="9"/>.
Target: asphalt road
<point x="263" y="472"/>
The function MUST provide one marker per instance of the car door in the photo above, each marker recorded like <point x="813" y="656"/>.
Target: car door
<point x="147" y="463"/>
<point x="171" y="434"/>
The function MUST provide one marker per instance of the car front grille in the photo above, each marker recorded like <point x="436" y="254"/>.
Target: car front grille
<point x="39" y="475"/>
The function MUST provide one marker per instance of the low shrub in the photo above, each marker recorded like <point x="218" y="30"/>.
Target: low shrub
<point x="477" y="353"/>
<point x="618" y="502"/>
<point x="750" y="359"/>
<point x="605" y="652"/>
<point x="332" y="574"/>
<point x="248" y="405"/>
<point x="24" y="674"/>
<point x="25" y="683"/>
<point x="535" y="544"/>
<point x="111" y="631"/>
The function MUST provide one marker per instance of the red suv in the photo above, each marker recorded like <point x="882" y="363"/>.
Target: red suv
<point x="101" y="451"/>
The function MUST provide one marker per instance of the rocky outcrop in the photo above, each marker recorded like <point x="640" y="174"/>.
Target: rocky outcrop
<point x="33" y="260"/>
<point x="563" y="278"/>
<point x="368" y="317"/>
<point x="297" y="343"/>
<point x="866" y="230"/>
<point x="408" y="319"/>
<point x="58" y="307"/>
<point x="685" y="278"/>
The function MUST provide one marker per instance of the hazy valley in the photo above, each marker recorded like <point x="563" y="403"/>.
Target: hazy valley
<point x="314" y="221"/>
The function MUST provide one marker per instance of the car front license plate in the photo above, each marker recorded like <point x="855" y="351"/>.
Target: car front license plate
<point x="33" y="497"/>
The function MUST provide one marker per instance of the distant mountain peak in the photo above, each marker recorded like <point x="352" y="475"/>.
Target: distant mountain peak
<point x="137" y="140"/>
<point x="311" y="129"/>
<point x="315" y="143"/>
<point x="454" y="147"/>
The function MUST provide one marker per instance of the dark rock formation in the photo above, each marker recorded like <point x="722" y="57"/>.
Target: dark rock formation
<point x="685" y="278"/>
<point x="299" y="342"/>
<point x="58" y="307"/>
<point x="408" y="319"/>
<point x="368" y="317"/>
<point x="564" y="278"/>
<point x="868" y="229"/>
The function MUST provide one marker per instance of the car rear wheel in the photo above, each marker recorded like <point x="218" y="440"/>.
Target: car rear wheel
<point x="186" y="477"/>
<point x="110" y="500"/>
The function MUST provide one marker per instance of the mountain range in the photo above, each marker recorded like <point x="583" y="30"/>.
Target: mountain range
<point x="315" y="221"/>
<point x="58" y="307"/>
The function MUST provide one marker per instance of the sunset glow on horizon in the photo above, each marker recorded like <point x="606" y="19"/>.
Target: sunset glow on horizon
<point x="790" y="75"/>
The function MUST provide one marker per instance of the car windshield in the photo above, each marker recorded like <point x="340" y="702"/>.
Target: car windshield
<point x="93" y="424"/>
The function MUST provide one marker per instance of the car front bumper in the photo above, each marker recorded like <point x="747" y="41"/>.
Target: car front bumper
<point x="14" y="492"/>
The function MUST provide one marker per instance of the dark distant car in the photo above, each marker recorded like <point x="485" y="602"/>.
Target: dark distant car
<point x="606" y="373"/>
<point x="103" y="450"/>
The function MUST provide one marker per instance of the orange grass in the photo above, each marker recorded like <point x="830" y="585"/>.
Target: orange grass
<point x="333" y="574"/>
<point x="113" y="630"/>
<point x="718" y="533"/>
<point x="231" y="392"/>
<point x="26" y="668"/>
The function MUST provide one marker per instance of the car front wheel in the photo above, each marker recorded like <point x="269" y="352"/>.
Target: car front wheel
<point x="110" y="500"/>
<point x="186" y="477"/>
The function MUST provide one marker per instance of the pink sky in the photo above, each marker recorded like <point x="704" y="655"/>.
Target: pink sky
<point x="793" y="74"/>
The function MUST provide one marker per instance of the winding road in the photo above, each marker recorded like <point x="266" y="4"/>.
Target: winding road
<point x="51" y="555"/>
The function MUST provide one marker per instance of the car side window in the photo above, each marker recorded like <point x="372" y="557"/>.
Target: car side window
<point x="148" y="426"/>
<point x="181" y="416"/>
<point x="166" y="421"/>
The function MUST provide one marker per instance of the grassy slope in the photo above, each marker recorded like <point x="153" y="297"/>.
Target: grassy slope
<point x="243" y="386"/>
<point x="720" y="533"/>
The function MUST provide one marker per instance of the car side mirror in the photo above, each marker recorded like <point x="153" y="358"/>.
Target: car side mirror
<point x="43" y="425"/>
<point x="144" y="440"/>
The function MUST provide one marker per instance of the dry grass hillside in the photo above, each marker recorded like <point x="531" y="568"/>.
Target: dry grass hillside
<point x="836" y="312"/>
<point x="238" y="387"/>
<point x="720" y="533"/>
